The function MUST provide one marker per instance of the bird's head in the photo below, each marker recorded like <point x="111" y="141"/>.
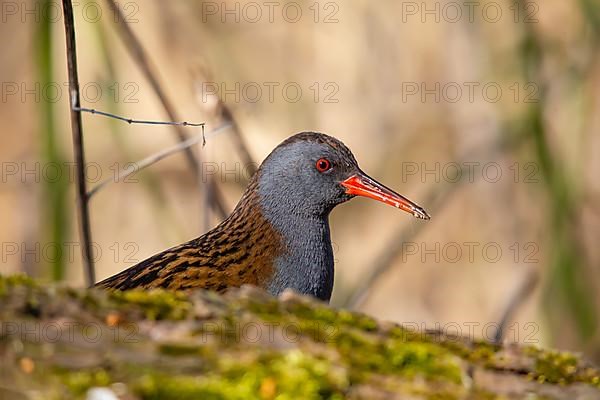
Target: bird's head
<point x="310" y="173"/>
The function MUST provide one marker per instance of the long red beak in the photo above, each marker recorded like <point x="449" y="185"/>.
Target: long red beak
<point x="362" y="185"/>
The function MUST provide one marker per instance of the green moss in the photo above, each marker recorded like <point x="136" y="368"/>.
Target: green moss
<point x="358" y="321"/>
<point x="156" y="304"/>
<point x="10" y="281"/>
<point x="269" y="311"/>
<point x="367" y="354"/>
<point x="477" y="352"/>
<point x="180" y="349"/>
<point x="78" y="382"/>
<point x="327" y="353"/>
<point x="283" y="376"/>
<point x="561" y="367"/>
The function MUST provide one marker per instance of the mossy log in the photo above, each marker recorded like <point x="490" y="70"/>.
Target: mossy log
<point x="64" y="343"/>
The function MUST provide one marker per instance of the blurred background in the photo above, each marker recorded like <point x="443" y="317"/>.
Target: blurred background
<point x="485" y="113"/>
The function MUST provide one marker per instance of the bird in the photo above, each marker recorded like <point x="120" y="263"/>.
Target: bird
<point x="278" y="235"/>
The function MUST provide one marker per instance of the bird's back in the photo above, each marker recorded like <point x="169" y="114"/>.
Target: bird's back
<point x="241" y="250"/>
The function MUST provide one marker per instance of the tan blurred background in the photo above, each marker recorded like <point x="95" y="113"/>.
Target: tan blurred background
<point x="507" y="91"/>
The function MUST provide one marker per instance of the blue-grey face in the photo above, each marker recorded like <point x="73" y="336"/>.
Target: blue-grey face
<point x="304" y="177"/>
<point x="310" y="173"/>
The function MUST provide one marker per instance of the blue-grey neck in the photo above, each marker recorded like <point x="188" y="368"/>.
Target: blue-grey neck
<point x="299" y="210"/>
<point x="307" y="263"/>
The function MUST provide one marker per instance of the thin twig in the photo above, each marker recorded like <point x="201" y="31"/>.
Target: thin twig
<point x="242" y="148"/>
<point x="78" y="150"/>
<point x="135" y="121"/>
<point x="517" y="299"/>
<point x="154" y="158"/>
<point x="143" y="62"/>
<point x="225" y="114"/>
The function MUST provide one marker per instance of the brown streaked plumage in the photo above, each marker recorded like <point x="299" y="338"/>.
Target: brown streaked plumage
<point x="278" y="236"/>
<point x="239" y="251"/>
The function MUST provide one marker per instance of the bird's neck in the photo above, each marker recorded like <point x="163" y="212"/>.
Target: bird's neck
<point x="307" y="265"/>
<point x="292" y="245"/>
<point x="306" y="262"/>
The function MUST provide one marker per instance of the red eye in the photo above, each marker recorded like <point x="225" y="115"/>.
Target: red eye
<point x="323" y="165"/>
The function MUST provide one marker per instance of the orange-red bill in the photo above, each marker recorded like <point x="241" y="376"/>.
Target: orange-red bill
<point x="362" y="185"/>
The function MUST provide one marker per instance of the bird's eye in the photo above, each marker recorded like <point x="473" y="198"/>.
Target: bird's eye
<point x="323" y="165"/>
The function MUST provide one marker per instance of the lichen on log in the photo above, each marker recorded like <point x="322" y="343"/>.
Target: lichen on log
<point x="62" y="343"/>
